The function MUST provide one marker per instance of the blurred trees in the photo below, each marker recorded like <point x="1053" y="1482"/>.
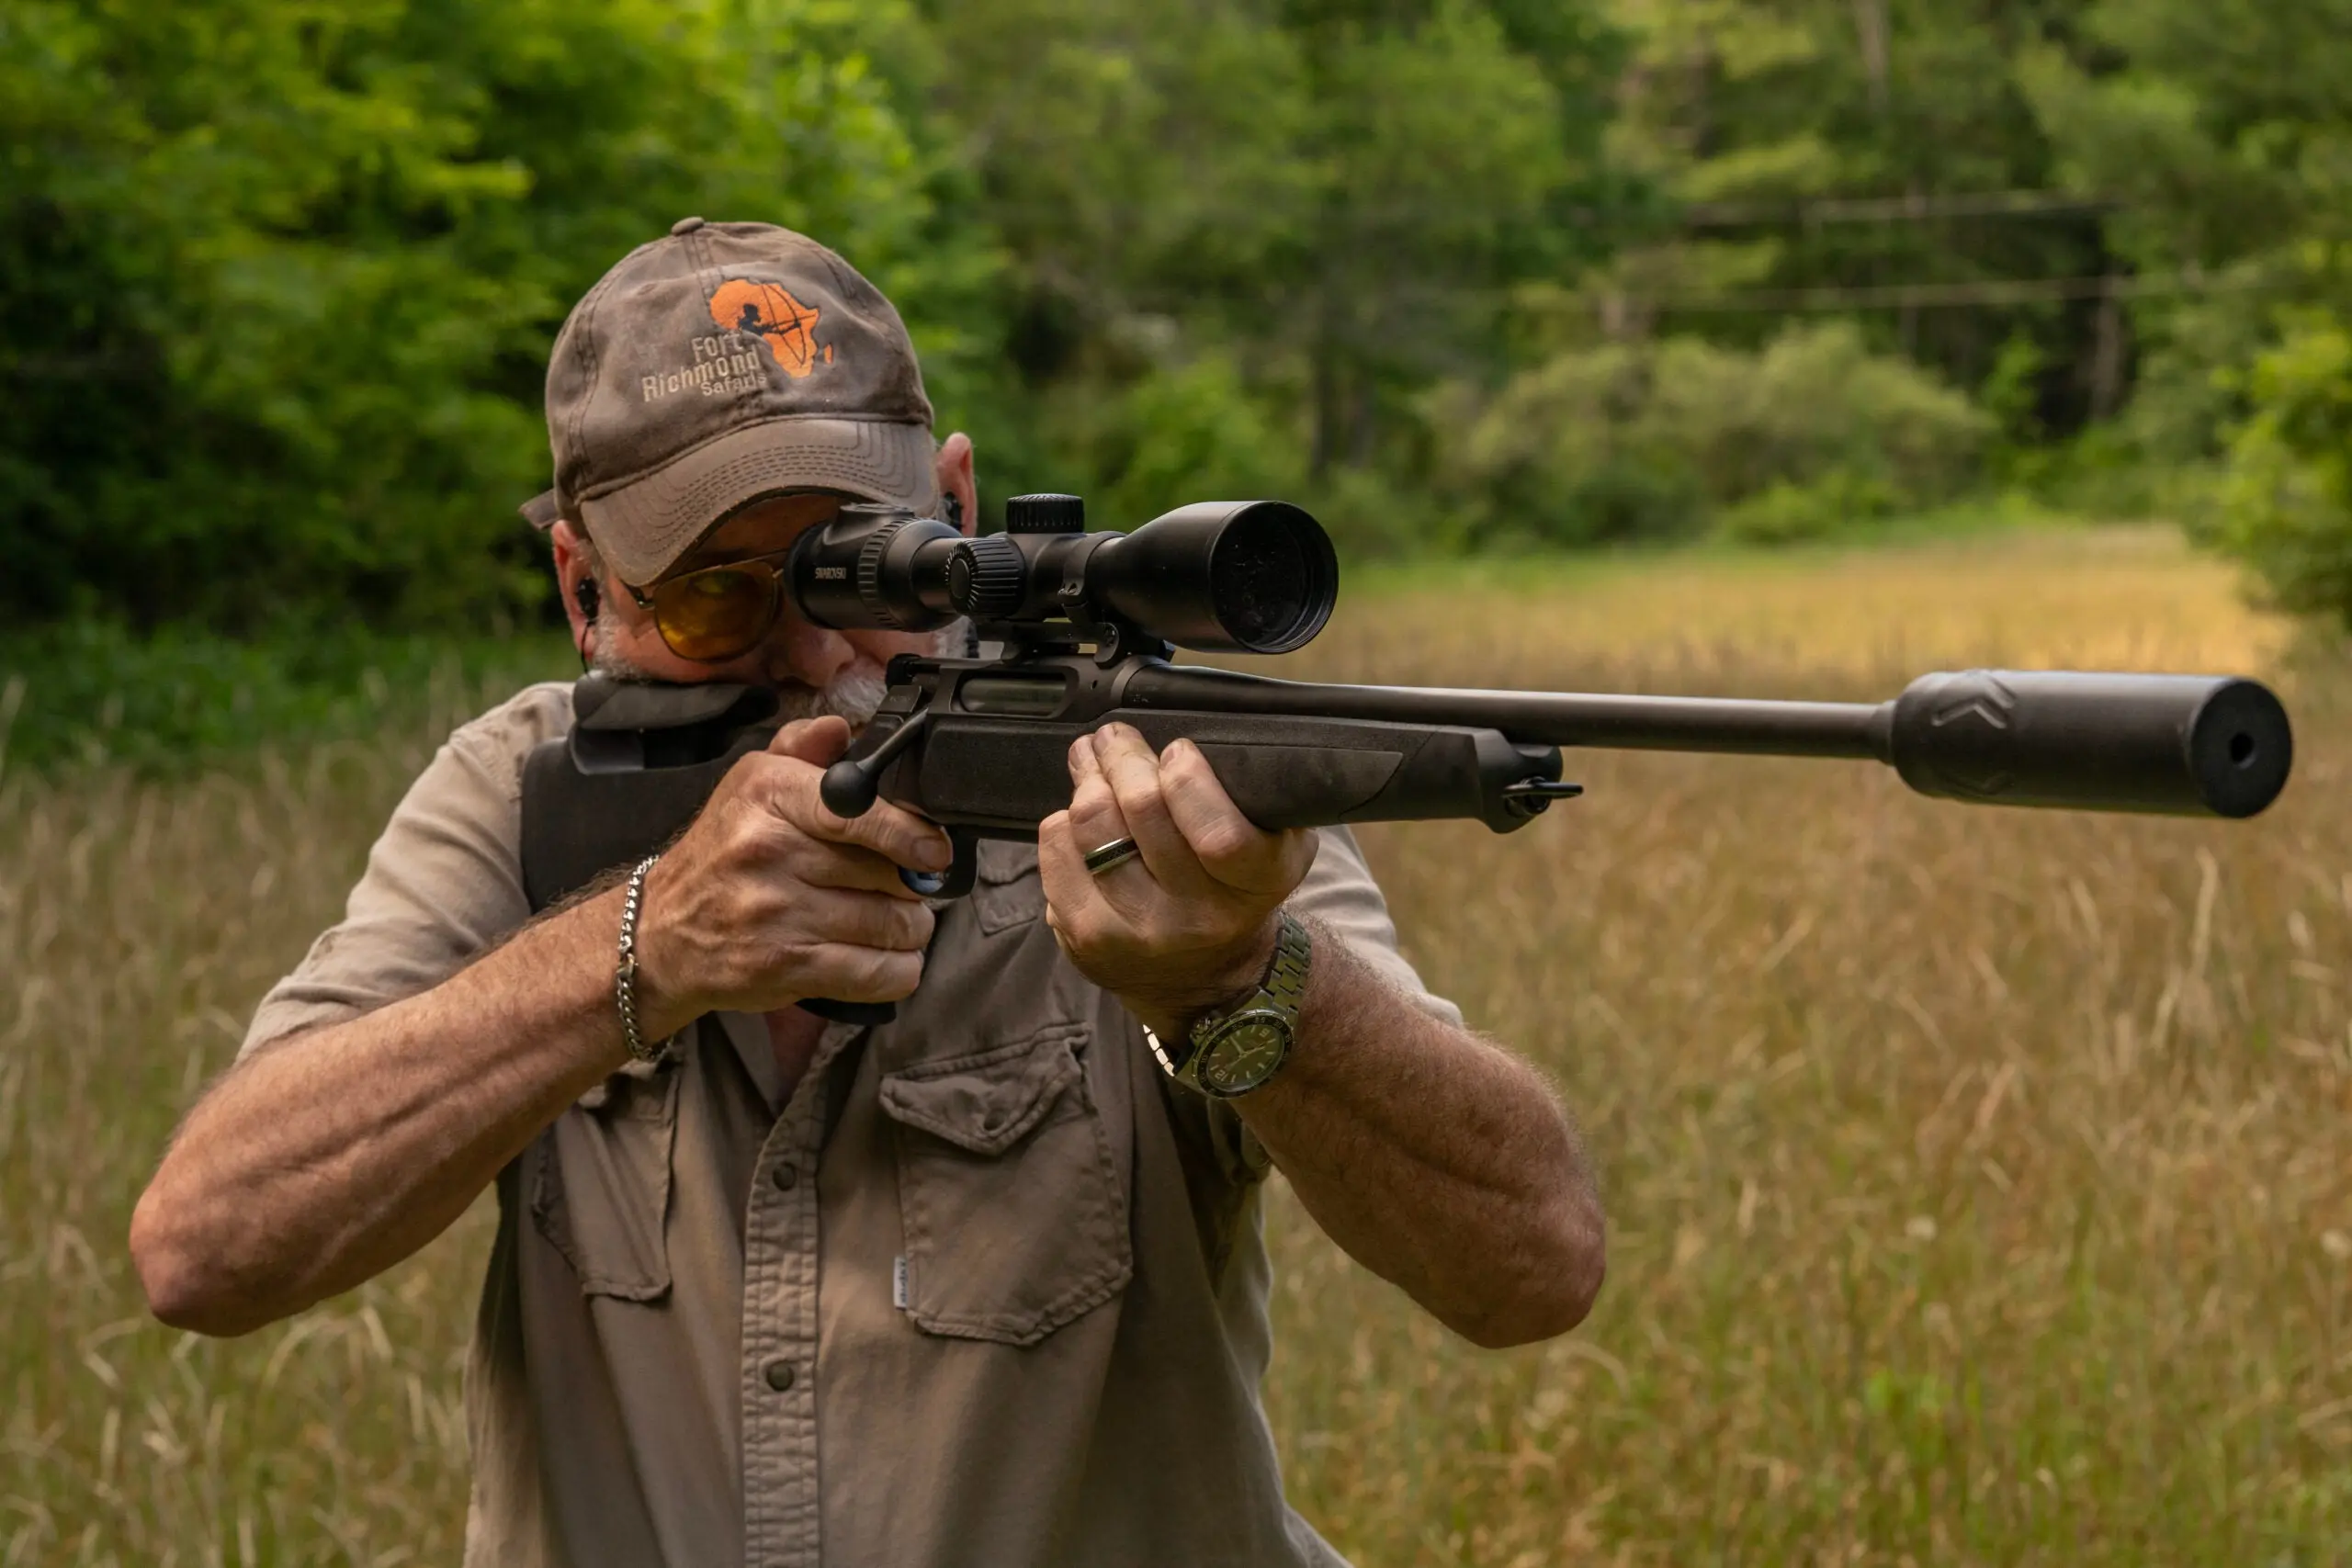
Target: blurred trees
<point x="1809" y="193"/>
<point x="2226" y="130"/>
<point x="2286" y="502"/>
<point x="277" y="276"/>
<point x="1858" y="148"/>
<point x="1315" y="207"/>
<point x="1634" y="440"/>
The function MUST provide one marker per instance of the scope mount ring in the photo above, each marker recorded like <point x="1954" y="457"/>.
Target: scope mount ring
<point x="1118" y="640"/>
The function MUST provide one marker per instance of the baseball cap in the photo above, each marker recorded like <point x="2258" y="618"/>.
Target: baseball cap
<point x="719" y="363"/>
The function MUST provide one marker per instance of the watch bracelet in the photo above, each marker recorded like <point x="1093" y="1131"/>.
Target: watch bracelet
<point x="1286" y="978"/>
<point x="1285" y="985"/>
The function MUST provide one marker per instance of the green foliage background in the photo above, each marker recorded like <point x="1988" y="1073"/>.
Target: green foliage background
<point x="278" y="279"/>
<point x="277" y="276"/>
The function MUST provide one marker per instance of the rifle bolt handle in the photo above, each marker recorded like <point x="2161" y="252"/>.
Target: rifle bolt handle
<point x="848" y="789"/>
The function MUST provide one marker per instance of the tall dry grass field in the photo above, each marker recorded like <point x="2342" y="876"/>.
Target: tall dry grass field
<point x="1981" y="1182"/>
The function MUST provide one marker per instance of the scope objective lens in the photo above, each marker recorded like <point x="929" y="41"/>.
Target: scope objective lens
<point x="1260" y="580"/>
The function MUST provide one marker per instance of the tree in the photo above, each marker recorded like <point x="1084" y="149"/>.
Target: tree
<point x="1324" y="201"/>
<point x="2224" y="128"/>
<point x="278" y="280"/>
<point x="2286" y="501"/>
<point x="1792" y="135"/>
<point x="1438" y="149"/>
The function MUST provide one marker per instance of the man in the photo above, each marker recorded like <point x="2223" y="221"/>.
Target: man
<point x="980" y="1286"/>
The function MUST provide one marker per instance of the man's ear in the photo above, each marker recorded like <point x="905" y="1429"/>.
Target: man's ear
<point x="954" y="468"/>
<point x="571" y="574"/>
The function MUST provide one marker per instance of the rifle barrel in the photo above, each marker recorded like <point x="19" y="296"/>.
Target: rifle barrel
<point x="2183" y="744"/>
<point x="1600" y="721"/>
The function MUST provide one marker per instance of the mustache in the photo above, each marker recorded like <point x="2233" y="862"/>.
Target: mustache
<point x="855" y="695"/>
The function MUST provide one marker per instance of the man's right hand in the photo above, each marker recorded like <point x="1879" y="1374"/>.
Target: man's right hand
<point x="769" y="898"/>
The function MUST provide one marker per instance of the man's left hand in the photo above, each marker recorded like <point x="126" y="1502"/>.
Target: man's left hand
<point x="1189" y="923"/>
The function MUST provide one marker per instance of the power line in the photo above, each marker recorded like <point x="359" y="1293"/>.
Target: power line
<point x="1914" y="208"/>
<point x="1934" y="295"/>
<point x="1660" y="221"/>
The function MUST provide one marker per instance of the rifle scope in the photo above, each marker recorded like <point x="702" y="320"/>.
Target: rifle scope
<point x="1218" y="576"/>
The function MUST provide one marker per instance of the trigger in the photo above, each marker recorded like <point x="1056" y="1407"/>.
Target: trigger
<point x="963" y="869"/>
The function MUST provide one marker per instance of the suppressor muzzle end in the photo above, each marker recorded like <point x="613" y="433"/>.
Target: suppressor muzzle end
<point x="2189" y="745"/>
<point x="2241" y="749"/>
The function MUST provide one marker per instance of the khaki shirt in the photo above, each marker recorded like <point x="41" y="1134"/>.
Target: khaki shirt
<point x="985" y="1289"/>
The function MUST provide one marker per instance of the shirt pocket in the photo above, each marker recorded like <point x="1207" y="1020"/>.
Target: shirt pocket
<point x="1006" y="891"/>
<point x="1014" y="1216"/>
<point x="600" y="1183"/>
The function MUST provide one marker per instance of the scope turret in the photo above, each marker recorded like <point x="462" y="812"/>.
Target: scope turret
<point x="1045" y="513"/>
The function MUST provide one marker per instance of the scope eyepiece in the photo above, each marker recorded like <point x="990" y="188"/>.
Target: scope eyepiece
<point x="873" y="566"/>
<point x="1237" y="577"/>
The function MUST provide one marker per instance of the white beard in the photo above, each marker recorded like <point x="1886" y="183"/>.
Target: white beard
<point x="854" y="694"/>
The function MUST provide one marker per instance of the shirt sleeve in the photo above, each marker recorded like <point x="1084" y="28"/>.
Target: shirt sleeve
<point x="443" y="883"/>
<point x="1340" y="893"/>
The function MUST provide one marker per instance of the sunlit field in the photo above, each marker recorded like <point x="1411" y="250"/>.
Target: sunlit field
<point x="1981" y="1182"/>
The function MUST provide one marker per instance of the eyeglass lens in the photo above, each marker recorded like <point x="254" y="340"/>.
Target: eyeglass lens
<point x="716" y="613"/>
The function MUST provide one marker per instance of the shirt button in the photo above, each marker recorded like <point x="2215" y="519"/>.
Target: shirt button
<point x="779" y="1375"/>
<point x="784" y="1176"/>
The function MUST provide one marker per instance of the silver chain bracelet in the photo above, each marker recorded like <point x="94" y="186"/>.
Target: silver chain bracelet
<point x="624" y="977"/>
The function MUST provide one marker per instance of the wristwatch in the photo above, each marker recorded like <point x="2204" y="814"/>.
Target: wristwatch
<point x="1229" y="1054"/>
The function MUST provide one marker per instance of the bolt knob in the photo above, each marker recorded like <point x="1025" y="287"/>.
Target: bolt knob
<point x="1045" y="515"/>
<point x="986" y="577"/>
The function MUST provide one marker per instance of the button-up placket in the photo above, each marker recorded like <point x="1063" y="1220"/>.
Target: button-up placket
<point x="781" y="1515"/>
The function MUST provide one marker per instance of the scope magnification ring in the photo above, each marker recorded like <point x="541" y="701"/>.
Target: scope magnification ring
<point x="869" y="575"/>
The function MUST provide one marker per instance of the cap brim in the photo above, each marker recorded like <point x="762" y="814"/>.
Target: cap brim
<point x="541" y="511"/>
<point x="643" y="526"/>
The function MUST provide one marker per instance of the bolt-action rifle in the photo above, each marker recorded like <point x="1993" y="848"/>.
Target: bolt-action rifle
<point x="1085" y="625"/>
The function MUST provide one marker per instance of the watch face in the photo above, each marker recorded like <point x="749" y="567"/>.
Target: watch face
<point x="1245" y="1053"/>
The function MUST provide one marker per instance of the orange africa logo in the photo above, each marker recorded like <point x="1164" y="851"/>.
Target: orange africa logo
<point x="788" y="326"/>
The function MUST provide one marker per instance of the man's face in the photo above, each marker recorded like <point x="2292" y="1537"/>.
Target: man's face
<point x="814" y="668"/>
